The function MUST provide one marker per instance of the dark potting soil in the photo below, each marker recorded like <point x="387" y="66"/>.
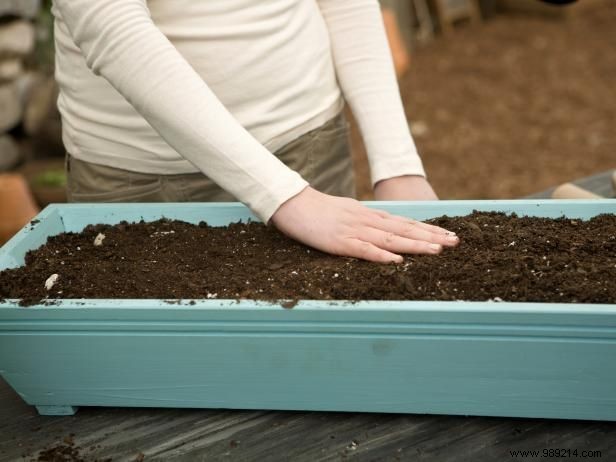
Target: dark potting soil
<point x="64" y="451"/>
<point x="500" y="257"/>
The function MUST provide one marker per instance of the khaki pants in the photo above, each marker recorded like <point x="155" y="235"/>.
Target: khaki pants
<point x="321" y="156"/>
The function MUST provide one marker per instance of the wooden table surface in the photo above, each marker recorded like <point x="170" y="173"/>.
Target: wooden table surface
<point x="196" y="435"/>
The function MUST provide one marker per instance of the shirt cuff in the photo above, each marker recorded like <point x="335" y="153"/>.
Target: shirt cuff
<point x="265" y="204"/>
<point x="391" y="168"/>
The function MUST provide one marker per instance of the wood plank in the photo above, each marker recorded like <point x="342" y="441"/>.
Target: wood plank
<point x="599" y="184"/>
<point x="76" y="216"/>
<point x="172" y="434"/>
<point x="451" y="11"/>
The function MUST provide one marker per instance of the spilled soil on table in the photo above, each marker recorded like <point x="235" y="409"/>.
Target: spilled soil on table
<point x="65" y="451"/>
<point x="500" y="258"/>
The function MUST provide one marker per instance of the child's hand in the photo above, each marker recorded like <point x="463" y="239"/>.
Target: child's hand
<point x="343" y="226"/>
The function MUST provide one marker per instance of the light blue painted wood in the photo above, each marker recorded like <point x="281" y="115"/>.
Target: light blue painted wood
<point x="56" y="410"/>
<point x="501" y="359"/>
<point x="77" y="216"/>
<point x="33" y="235"/>
<point x="430" y="373"/>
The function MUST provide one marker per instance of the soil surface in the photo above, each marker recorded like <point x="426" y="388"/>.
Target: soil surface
<point x="500" y="258"/>
<point x="513" y="106"/>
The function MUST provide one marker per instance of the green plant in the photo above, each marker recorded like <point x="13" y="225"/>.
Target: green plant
<point x="50" y="178"/>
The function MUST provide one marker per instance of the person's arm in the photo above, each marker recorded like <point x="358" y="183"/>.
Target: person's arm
<point x="121" y="43"/>
<point x="366" y="74"/>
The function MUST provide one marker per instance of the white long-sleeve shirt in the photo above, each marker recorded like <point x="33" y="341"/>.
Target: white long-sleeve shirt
<point x="179" y="86"/>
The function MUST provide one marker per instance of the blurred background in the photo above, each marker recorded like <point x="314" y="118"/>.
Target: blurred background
<point x="505" y="99"/>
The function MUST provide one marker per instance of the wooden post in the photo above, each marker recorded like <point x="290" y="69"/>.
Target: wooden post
<point x="451" y="11"/>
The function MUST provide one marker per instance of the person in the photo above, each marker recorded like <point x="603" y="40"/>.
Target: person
<point x="223" y="99"/>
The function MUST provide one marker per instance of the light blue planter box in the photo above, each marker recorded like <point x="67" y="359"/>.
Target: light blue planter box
<point x="475" y="358"/>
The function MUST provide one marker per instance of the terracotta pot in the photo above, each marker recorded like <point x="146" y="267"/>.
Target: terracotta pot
<point x="17" y="206"/>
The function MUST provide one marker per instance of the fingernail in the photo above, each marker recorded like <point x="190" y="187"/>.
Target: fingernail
<point x="436" y="247"/>
<point x="451" y="233"/>
<point x="452" y="239"/>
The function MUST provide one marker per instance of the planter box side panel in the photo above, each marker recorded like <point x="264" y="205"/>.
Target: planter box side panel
<point x="522" y="371"/>
<point x="78" y="216"/>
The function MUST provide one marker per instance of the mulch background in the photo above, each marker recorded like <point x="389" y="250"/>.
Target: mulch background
<point x="512" y="106"/>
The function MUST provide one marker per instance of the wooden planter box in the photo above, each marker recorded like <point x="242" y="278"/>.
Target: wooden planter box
<point x="473" y="358"/>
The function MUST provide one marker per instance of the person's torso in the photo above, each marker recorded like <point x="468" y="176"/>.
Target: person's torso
<point x="269" y="62"/>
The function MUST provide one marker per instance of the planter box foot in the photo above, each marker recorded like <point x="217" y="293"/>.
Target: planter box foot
<point x="56" y="410"/>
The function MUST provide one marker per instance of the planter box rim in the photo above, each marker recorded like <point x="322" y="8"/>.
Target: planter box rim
<point x="310" y="305"/>
<point x="117" y="212"/>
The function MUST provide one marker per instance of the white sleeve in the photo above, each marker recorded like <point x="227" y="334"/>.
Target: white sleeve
<point x="121" y="43"/>
<point x="366" y="74"/>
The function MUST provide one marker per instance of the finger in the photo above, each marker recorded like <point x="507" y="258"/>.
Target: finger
<point x="426" y="226"/>
<point x="418" y="230"/>
<point x="420" y="224"/>
<point x="395" y="243"/>
<point x="412" y="230"/>
<point x="367" y="251"/>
